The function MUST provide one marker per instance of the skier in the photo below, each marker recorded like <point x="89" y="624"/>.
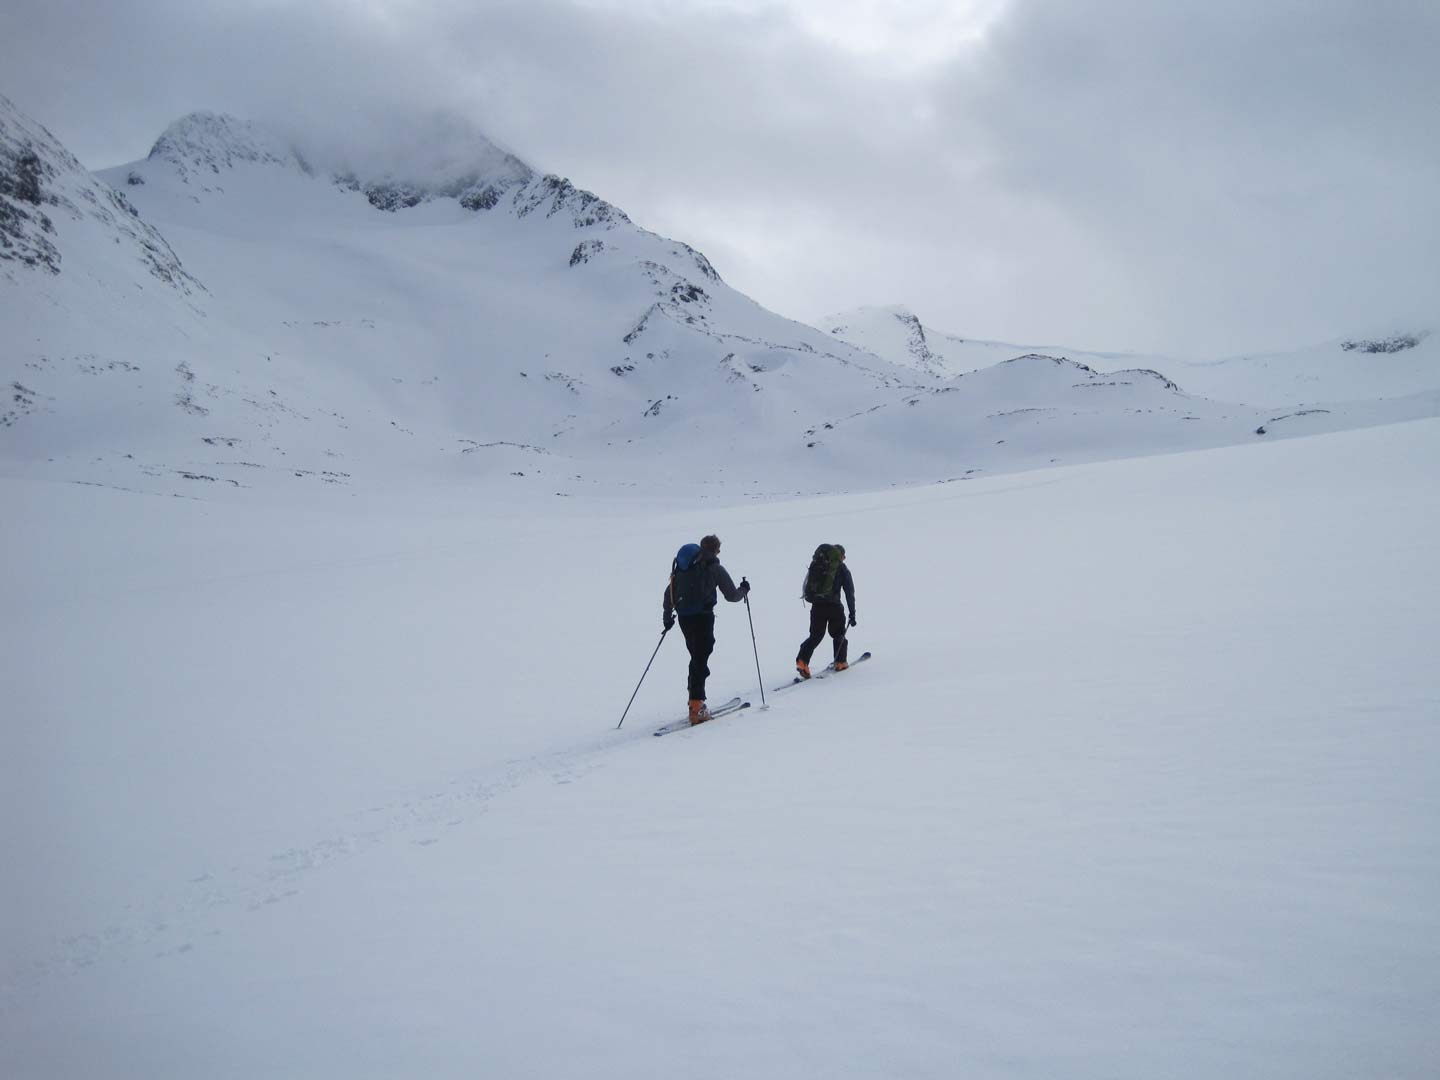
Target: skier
<point x="827" y="577"/>
<point x="690" y="594"/>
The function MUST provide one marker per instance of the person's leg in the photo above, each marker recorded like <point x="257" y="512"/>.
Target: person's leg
<point x="817" y="634"/>
<point x="699" y="633"/>
<point x="837" y="634"/>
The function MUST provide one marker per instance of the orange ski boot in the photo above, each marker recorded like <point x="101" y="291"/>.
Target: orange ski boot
<point x="698" y="712"/>
<point x="802" y="668"/>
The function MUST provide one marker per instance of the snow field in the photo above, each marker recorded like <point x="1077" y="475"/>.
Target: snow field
<point x="1141" y="782"/>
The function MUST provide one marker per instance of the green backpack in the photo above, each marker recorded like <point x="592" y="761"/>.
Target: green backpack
<point x="820" y="578"/>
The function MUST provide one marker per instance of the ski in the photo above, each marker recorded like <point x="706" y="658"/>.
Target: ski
<point x="830" y="668"/>
<point x="825" y="672"/>
<point x="735" y="704"/>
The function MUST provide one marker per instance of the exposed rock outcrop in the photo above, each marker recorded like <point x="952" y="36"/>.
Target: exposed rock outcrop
<point x="1393" y="344"/>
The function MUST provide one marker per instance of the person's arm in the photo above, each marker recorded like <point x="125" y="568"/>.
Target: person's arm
<point x="848" y="583"/>
<point x="667" y="607"/>
<point x="727" y="587"/>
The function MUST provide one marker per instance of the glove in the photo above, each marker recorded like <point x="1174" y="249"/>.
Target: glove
<point x="852" y="618"/>
<point x="669" y="620"/>
<point x="744" y="587"/>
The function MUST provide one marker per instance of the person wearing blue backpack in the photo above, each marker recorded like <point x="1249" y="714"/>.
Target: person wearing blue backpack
<point x="695" y="575"/>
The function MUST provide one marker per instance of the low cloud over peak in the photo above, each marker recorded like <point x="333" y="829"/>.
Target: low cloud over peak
<point x="1129" y="176"/>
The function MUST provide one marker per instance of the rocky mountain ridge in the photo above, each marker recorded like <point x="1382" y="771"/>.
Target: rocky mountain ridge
<point x="45" y="192"/>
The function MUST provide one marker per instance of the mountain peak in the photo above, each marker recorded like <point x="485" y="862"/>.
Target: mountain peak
<point x="435" y="152"/>
<point x="883" y="328"/>
<point x="394" y="165"/>
<point x="206" y="142"/>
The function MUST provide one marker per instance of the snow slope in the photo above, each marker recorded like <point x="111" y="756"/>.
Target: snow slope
<point x="1392" y="365"/>
<point x="1141" y="782"/>
<point x="1362" y="368"/>
<point x="1034" y="411"/>
<point x="897" y="334"/>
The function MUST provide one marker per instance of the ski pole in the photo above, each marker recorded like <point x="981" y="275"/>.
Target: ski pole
<point x="756" y="647"/>
<point x="642" y="677"/>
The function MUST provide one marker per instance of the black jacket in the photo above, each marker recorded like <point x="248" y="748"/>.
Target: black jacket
<point x="715" y="577"/>
<point x="844" y="581"/>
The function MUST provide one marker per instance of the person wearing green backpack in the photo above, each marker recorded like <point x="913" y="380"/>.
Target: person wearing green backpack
<point x="826" y="579"/>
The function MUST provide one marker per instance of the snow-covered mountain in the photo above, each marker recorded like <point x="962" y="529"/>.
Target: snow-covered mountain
<point x="1037" y="410"/>
<point x="897" y="334"/>
<point x="487" y="321"/>
<point x="1392" y="364"/>
<point x="1389" y="364"/>
<point x="250" y="314"/>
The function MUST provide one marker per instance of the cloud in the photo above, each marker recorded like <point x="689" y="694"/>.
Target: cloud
<point x="1110" y="174"/>
<point x="1253" y="172"/>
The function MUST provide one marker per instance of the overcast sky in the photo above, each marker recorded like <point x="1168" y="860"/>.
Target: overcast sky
<point x="1207" y="177"/>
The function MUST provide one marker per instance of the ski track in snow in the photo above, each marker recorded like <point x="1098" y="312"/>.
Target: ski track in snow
<point x="202" y="906"/>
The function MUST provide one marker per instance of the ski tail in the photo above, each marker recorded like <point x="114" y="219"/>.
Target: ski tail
<point x="735" y="704"/>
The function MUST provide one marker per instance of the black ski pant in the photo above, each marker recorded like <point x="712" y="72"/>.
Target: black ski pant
<point x="826" y="615"/>
<point x="699" y="631"/>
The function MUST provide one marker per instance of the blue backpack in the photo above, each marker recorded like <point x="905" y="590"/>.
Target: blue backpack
<point x="687" y="581"/>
